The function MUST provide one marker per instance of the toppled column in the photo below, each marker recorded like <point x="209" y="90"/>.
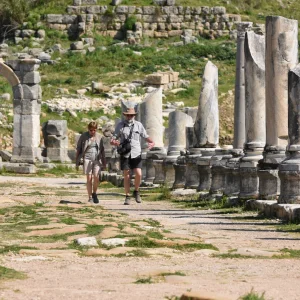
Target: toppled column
<point x="281" y="56"/>
<point x="239" y="97"/>
<point x="56" y="140"/>
<point x="255" y="114"/>
<point x="207" y="125"/>
<point x="289" y="169"/>
<point x="151" y="118"/>
<point x="27" y="109"/>
<point x="178" y="121"/>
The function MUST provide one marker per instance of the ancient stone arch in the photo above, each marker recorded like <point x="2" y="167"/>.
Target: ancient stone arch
<point x="24" y="79"/>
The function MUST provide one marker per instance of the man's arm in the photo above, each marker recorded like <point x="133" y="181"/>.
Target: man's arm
<point x="114" y="139"/>
<point x="150" y="142"/>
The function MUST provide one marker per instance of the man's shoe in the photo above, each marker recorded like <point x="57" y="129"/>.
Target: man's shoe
<point x="137" y="197"/>
<point x="95" y="198"/>
<point x="91" y="200"/>
<point x="127" y="200"/>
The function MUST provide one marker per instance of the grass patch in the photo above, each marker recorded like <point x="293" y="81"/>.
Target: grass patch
<point x="194" y="246"/>
<point x="144" y="280"/>
<point x="291" y="253"/>
<point x="252" y="295"/>
<point x="69" y="221"/>
<point x="13" y="248"/>
<point x="154" y="235"/>
<point x="177" y="273"/>
<point x="94" y="229"/>
<point x="142" y="242"/>
<point x="9" y="274"/>
<point x="152" y="222"/>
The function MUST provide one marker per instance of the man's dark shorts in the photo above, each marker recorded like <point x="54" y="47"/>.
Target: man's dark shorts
<point x="128" y="163"/>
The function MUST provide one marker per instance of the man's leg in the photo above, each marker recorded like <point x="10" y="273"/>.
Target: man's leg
<point x="137" y="182"/>
<point x="127" y="186"/>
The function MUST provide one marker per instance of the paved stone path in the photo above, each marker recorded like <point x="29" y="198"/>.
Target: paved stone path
<point x="67" y="275"/>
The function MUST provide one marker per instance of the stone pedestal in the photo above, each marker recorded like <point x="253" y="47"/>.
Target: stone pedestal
<point x="218" y="171"/>
<point x="169" y="171"/>
<point x="192" y="174"/>
<point x="248" y="174"/>
<point x="204" y="169"/>
<point x="180" y="172"/>
<point x="156" y="153"/>
<point x="159" y="172"/>
<point x="232" y="174"/>
<point x="269" y="183"/>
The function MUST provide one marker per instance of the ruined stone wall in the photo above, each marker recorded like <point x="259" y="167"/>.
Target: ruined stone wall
<point x="151" y="21"/>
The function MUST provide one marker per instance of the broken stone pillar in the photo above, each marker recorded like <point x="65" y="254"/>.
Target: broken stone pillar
<point x="281" y="56"/>
<point x="178" y="121"/>
<point x="108" y="131"/>
<point x="27" y="109"/>
<point x="56" y="140"/>
<point x="239" y="99"/>
<point x="114" y="162"/>
<point x="255" y="117"/>
<point x="218" y="171"/>
<point x="151" y="118"/>
<point x="289" y="169"/>
<point x="207" y="125"/>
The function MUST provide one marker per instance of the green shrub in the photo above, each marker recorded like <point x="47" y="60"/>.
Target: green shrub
<point x="130" y="23"/>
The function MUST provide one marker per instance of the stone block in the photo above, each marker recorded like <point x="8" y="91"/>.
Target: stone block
<point x="5" y="155"/>
<point x="20" y="168"/>
<point x="52" y="18"/>
<point x="116" y="2"/>
<point x="73" y="9"/>
<point x="56" y="127"/>
<point x="58" y="154"/>
<point x="149" y="10"/>
<point x="54" y="141"/>
<point x="26" y="131"/>
<point x="157" y="78"/>
<point x="31" y="77"/>
<point x="69" y="19"/>
<point x="27" y="107"/>
<point x="29" y="65"/>
<point x="76" y="2"/>
<point x="121" y="9"/>
<point x="28" y="92"/>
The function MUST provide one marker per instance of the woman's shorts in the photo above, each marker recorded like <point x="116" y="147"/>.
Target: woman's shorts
<point x="91" y="167"/>
<point x="128" y="163"/>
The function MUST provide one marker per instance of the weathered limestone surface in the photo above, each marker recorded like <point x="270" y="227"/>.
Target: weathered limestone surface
<point x="207" y="122"/>
<point x="289" y="169"/>
<point x="239" y="99"/>
<point x="255" y="114"/>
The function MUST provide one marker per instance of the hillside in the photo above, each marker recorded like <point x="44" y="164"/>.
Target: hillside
<point x="112" y="65"/>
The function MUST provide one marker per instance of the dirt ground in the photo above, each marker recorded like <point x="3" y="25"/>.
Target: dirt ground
<point x="58" y="272"/>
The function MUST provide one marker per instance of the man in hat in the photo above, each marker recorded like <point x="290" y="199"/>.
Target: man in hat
<point x="134" y="130"/>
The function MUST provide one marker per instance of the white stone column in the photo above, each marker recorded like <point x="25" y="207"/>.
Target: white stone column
<point x="207" y="125"/>
<point x="178" y="121"/>
<point x="281" y="56"/>
<point x="289" y="169"/>
<point x="239" y="99"/>
<point x="27" y="109"/>
<point x="255" y="117"/>
<point x="151" y="118"/>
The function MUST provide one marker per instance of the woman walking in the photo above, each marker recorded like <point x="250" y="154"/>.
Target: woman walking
<point x="90" y="151"/>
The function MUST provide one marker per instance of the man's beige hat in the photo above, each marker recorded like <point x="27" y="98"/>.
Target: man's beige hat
<point x="130" y="111"/>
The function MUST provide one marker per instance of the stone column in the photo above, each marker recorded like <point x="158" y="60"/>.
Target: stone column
<point x="255" y="114"/>
<point x="27" y="109"/>
<point x="281" y="56"/>
<point x="207" y="125"/>
<point x="151" y="118"/>
<point x="289" y="169"/>
<point x="239" y="99"/>
<point x="178" y="121"/>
